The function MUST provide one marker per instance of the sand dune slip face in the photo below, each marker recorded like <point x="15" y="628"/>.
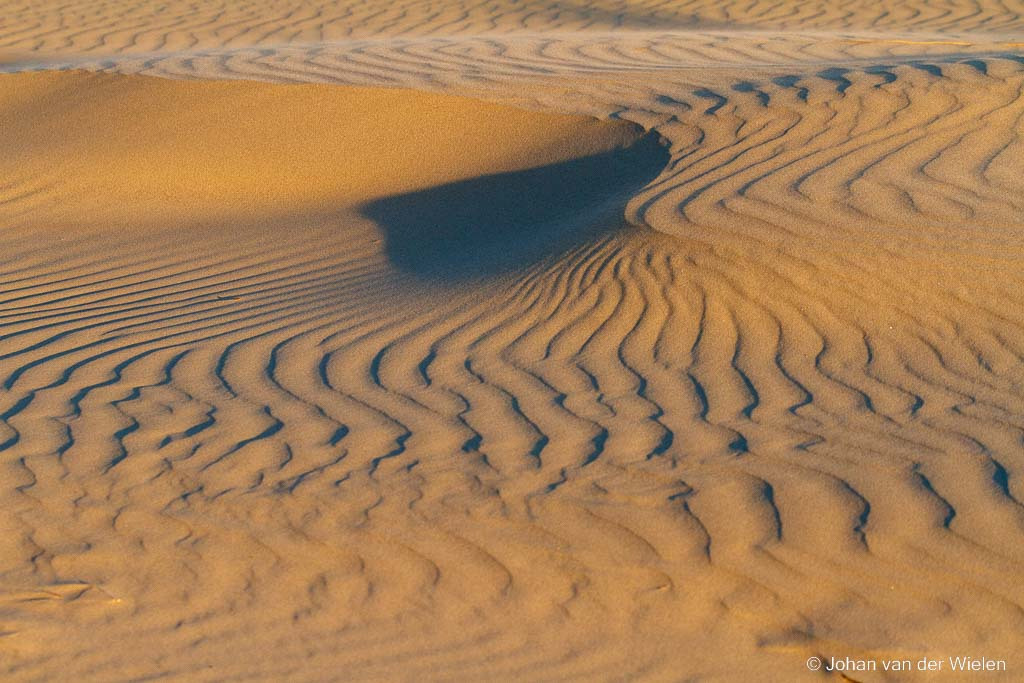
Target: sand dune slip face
<point x="511" y="341"/>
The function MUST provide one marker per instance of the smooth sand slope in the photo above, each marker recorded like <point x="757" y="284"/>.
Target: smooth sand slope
<point x="694" y="354"/>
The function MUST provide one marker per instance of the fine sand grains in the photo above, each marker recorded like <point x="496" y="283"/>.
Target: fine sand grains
<point x="646" y="341"/>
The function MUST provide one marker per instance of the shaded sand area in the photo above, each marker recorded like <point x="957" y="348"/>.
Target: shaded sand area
<point x="628" y="341"/>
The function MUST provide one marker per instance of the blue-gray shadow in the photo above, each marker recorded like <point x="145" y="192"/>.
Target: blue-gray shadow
<point x="497" y="223"/>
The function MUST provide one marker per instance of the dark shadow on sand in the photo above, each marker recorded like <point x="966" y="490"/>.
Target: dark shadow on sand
<point x="494" y="224"/>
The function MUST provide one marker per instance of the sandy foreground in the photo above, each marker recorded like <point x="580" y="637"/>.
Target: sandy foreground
<point x="530" y="341"/>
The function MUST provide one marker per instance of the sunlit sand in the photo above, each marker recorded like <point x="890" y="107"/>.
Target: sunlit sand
<point x="446" y="341"/>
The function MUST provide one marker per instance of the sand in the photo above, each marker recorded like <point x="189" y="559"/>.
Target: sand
<point x="437" y="341"/>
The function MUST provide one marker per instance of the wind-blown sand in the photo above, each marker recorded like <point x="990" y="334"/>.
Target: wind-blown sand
<point x="510" y="341"/>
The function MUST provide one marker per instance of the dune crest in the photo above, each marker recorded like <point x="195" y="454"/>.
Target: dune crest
<point x="137" y="149"/>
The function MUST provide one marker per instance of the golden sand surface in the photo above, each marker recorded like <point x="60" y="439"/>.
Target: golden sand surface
<point x="670" y="340"/>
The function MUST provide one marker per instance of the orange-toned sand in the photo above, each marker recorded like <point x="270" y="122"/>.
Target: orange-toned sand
<point x="515" y="341"/>
<point x="137" y="150"/>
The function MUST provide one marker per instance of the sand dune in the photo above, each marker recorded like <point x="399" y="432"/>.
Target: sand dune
<point x="627" y="341"/>
<point x="245" y="152"/>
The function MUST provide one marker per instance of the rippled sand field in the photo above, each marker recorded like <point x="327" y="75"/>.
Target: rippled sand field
<point x="668" y="340"/>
